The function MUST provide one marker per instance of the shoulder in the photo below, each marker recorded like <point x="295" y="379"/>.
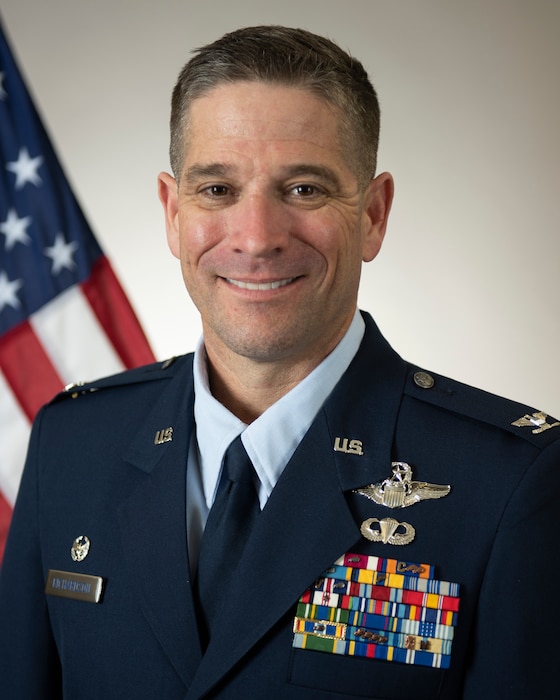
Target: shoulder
<point x="525" y="422"/>
<point x="146" y="374"/>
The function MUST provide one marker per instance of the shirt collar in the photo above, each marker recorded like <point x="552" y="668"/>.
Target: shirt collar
<point x="273" y="437"/>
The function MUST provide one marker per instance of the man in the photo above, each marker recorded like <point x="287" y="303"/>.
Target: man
<point x="402" y="539"/>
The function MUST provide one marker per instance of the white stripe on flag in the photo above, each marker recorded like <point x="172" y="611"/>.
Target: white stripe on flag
<point x="74" y="339"/>
<point x="13" y="445"/>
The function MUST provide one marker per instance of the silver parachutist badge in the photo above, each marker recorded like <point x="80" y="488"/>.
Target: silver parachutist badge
<point x="388" y="531"/>
<point x="400" y="491"/>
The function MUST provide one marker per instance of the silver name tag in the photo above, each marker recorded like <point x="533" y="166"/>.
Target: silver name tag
<point x="66" y="584"/>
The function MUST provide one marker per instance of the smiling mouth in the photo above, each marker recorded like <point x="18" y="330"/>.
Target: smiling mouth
<point x="259" y="286"/>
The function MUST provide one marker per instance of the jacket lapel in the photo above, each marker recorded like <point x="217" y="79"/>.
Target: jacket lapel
<point x="364" y="407"/>
<point x="153" y="523"/>
<point x="307" y="523"/>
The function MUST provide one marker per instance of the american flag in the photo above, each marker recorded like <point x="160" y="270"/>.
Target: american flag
<point x="63" y="315"/>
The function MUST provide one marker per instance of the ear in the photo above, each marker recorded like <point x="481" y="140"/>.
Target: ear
<point x="378" y="198"/>
<point x="168" y="196"/>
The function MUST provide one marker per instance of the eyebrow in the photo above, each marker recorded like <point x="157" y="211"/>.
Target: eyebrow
<point x="200" y="171"/>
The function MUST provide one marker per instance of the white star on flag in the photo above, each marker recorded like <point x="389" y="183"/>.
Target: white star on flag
<point x="8" y="291"/>
<point x="14" y="229"/>
<point x="25" y="169"/>
<point x="61" y="254"/>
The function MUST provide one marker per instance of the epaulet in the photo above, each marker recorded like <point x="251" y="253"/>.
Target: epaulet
<point x="145" y="373"/>
<point x="523" y="421"/>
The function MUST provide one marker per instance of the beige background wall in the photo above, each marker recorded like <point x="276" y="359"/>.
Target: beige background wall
<point x="468" y="283"/>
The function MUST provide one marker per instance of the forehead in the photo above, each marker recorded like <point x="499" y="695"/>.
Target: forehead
<point x="256" y="111"/>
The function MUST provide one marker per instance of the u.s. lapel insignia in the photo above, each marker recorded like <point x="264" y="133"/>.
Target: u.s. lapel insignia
<point x="388" y="531"/>
<point x="162" y="436"/>
<point x="400" y="491"/>
<point x="350" y="447"/>
<point x="80" y="548"/>
<point x="538" y="421"/>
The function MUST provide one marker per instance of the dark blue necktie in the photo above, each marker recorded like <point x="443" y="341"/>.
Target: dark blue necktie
<point x="228" y="526"/>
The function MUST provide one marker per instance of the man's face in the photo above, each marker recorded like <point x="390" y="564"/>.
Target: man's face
<point x="269" y="223"/>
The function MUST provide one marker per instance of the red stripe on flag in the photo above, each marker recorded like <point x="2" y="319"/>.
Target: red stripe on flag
<point x="28" y="369"/>
<point x="116" y="315"/>
<point x="5" y="517"/>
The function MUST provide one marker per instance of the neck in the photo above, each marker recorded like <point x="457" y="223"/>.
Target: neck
<point x="248" y="388"/>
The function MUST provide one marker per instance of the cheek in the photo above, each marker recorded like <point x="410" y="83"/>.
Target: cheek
<point x="197" y="237"/>
<point x="337" y="240"/>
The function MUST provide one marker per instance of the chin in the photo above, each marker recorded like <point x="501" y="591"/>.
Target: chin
<point x="277" y="345"/>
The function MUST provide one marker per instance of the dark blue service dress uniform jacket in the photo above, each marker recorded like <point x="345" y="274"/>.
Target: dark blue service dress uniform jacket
<point x="104" y="465"/>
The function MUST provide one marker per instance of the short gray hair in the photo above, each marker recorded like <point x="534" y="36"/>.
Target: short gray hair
<point x="291" y="57"/>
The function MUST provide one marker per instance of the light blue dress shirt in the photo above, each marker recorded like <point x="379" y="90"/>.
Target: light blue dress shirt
<point x="270" y="440"/>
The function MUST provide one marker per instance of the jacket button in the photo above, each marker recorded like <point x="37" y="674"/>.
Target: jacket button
<point x="424" y="380"/>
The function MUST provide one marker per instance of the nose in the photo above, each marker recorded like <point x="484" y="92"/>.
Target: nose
<point x="259" y="226"/>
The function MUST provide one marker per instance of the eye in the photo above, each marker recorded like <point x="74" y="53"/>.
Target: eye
<point x="215" y="196"/>
<point x="307" y="195"/>
<point x="304" y="190"/>
<point x="216" y="191"/>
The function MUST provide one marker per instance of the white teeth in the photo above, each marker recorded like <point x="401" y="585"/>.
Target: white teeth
<point x="260" y="286"/>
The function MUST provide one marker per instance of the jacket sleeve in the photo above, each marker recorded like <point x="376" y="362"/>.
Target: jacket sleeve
<point x="29" y="666"/>
<point x="518" y="614"/>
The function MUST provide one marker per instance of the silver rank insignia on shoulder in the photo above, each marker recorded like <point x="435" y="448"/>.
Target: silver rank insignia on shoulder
<point x="400" y="491"/>
<point x="538" y="421"/>
<point x="80" y="548"/>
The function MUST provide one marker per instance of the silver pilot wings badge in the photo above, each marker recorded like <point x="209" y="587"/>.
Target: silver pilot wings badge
<point x="400" y="491"/>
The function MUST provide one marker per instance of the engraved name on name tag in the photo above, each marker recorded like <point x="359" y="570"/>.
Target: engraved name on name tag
<point x="66" y="584"/>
